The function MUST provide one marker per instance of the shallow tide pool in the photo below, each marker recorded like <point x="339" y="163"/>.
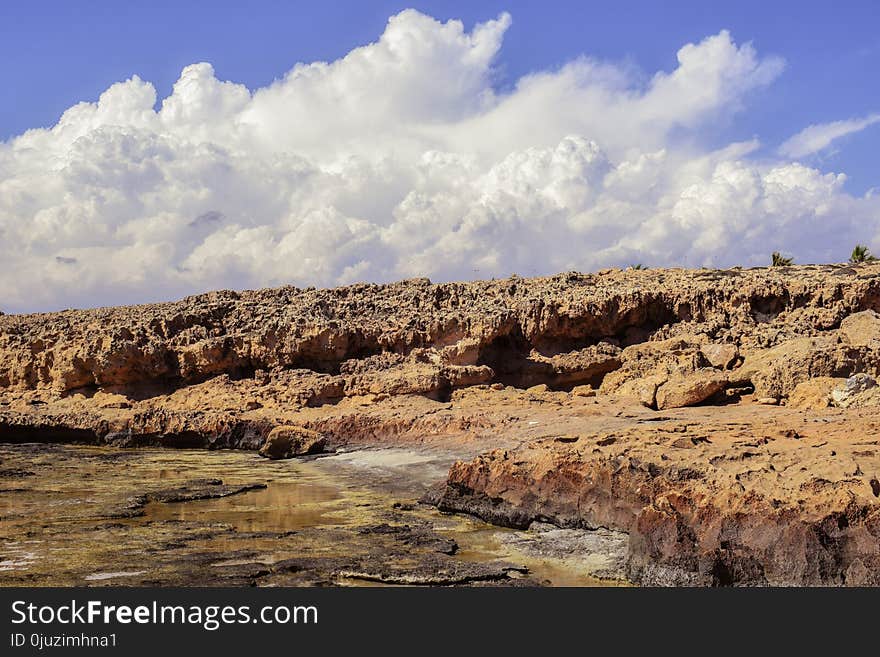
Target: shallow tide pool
<point x="74" y="515"/>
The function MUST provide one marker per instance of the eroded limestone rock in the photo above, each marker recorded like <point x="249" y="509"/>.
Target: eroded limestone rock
<point x="814" y="393"/>
<point x="861" y="329"/>
<point x="856" y="391"/>
<point x="289" y="441"/>
<point x="689" y="389"/>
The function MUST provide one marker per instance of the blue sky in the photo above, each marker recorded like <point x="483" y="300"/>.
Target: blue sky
<point x="54" y="54"/>
<point x="155" y="149"/>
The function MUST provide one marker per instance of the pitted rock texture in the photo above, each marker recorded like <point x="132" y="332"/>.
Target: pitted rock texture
<point x="288" y="441"/>
<point x="521" y="329"/>
<point x="746" y="499"/>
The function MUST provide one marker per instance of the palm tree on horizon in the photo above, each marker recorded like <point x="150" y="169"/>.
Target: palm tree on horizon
<point x="779" y="260"/>
<point x="860" y="254"/>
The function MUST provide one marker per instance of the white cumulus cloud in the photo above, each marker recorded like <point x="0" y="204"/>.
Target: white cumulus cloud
<point x="402" y="159"/>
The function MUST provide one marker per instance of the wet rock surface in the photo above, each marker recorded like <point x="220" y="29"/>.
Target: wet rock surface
<point x="199" y="489"/>
<point x="97" y="517"/>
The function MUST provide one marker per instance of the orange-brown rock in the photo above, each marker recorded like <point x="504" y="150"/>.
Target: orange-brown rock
<point x="778" y="371"/>
<point x="774" y="497"/>
<point x="563" y="328"/>
<point x="288" y="441"/>
<point x="625" y="399"/>
<point x="689" y="389"/>
<point x="814" y="393"/>
<point x="861" y="329"/>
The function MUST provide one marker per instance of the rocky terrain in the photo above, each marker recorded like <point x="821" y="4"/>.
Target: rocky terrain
<point x="725" y="420"/>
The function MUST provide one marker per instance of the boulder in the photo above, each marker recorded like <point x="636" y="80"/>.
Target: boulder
<point x="848" y="392"/>
<point x="722" y="356"/>
<point x="463" y="352"/>
<point x="467" y="375"/>
<point x="690" y="389"/>
<point x="583" y="391"/>
<point x="285" y="442"/>
<point x="643" y="389"/>
<point x="865" y="399"/>
<point x="403" y="379"/>
<point x="580" y="366"/>
<point x="815" y="393"/>
<point x="777" y="372"/>
<point x="861" y="329"/>
<point x="671" y="357"/>
<point x="571" y="368"/>
<point x="110" y="400"/>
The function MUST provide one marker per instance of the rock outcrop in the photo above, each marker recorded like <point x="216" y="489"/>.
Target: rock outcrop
<point x="724" y="419"/>
<point x="565" y="330"/>
<point x="732" y="501"/>
<point x="815" y="393"/>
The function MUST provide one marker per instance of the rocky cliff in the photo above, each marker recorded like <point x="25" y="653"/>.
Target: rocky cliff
<point x="725" y="419"/>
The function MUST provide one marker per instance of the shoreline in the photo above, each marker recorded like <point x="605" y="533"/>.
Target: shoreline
<point x="724" y="420"/>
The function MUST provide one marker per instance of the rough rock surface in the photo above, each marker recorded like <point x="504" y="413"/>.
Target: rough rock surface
<point x="673" y="447"/>
<point x="522" y="329"/>
<point x="287" y="441"/>
<point x="861" y="329"/>
<point x="857" y="390"/>
<point x="814" y="393"/>
<point x="690" y="389"/>
<point x="781" y="500"/>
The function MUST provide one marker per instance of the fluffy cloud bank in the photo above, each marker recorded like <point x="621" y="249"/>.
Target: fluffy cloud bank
<point x="398" y="160"/>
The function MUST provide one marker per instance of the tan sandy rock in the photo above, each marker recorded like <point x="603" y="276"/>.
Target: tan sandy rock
<point x="861" y="329"/>
<point x="857" y="390"/>
<point x="689" y="389"/>
<point x="814" y="393"/>
<point x="734" y="493"/>
<point x="865" y="399"/>
<point x="671" y="357"/>
<point x="642" y="389"/>
<point x="288" y="441"/>
<point x="722" y="356"/>
<point x="777" y="372"/>
<point x="745" y="498"/>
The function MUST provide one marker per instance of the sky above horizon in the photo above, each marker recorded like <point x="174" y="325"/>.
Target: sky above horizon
<point x="160" y="149"/>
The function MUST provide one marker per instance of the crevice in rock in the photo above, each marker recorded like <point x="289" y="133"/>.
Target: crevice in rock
<point x="14" y="433"/>
<point x="518" y="363"/>
<point x="507" y="355"/>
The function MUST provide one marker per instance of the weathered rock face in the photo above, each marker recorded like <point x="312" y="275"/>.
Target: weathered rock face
<point x="661" y="359"/>
<point x="856" y="391"/>
<point x="861" y="329"/>
<point x="726" y="502"/>
<point x="690" y="389"/>
<point x="722" y="356"/>
<point x="778" y="371"/>
<point x="562" y="330"/>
